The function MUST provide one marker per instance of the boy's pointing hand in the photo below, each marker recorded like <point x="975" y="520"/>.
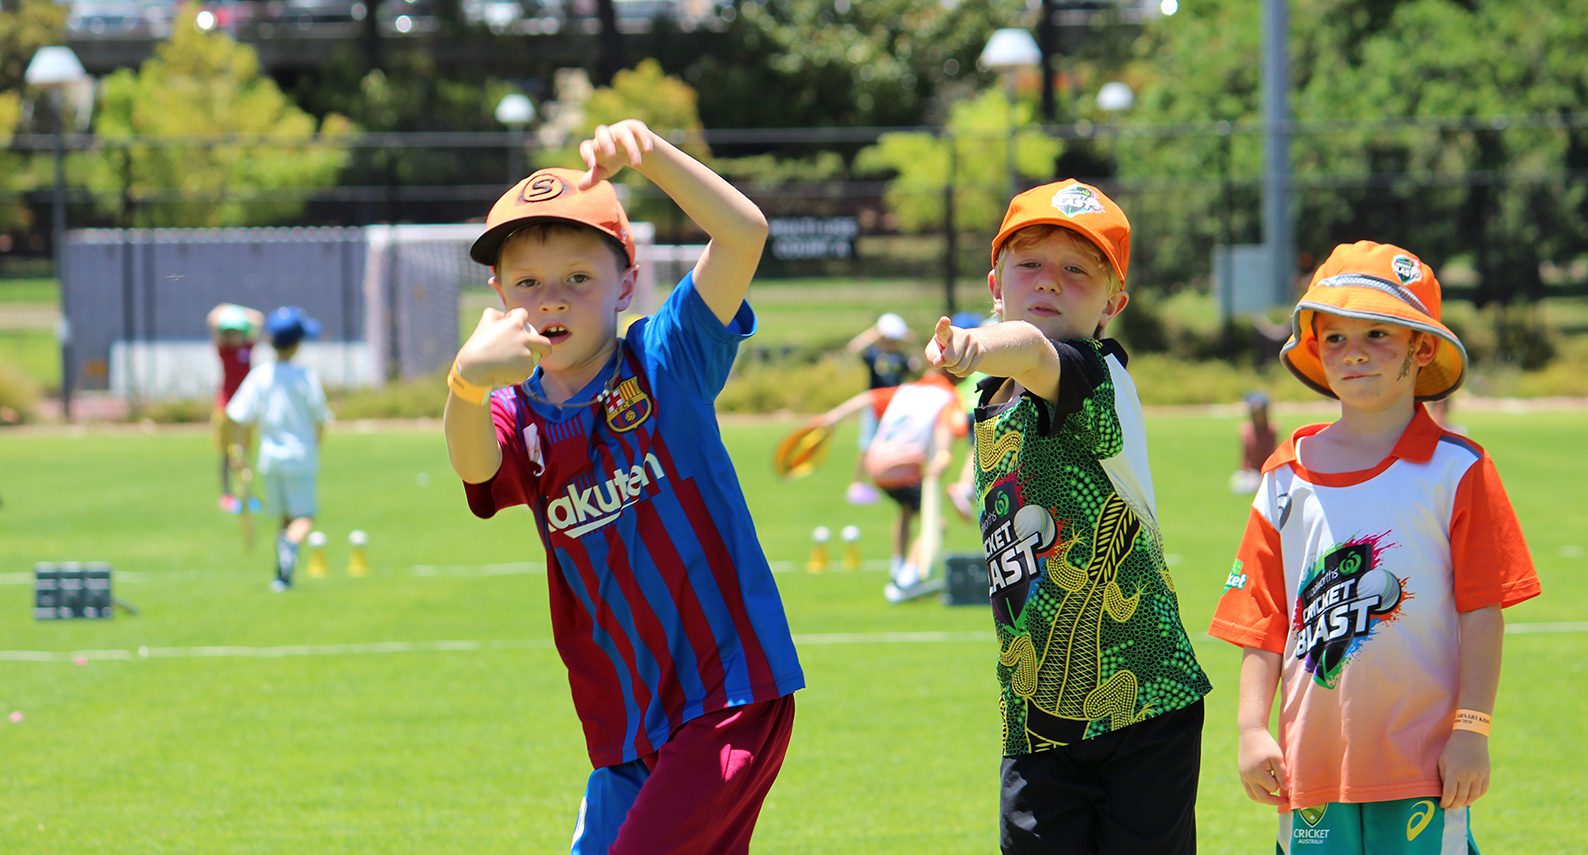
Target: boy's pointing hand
<point x="952" y="349"/>
<point x="502" y="350"/>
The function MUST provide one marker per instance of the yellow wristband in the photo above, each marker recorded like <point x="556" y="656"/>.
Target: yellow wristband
<point x="1472" y="720"/>
<point x="465" y="391"/>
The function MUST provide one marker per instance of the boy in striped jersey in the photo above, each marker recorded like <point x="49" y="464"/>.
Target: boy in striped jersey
<point x="1378" y="553"/>
<point x="663" y="606"/>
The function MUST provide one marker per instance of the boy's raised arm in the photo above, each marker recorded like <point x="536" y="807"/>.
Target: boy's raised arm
<point x="1013" y="349"/>
<point x="737" y="227"/>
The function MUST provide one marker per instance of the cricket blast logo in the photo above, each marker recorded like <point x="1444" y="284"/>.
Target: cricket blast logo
<point x="1344" y="598"/>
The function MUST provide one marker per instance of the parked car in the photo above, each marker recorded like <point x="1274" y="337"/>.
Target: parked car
<point x="408" y="16"/>
<point x="227" y="16"/>
<point x="303" y="14"/>
<point x="105" y="18"/>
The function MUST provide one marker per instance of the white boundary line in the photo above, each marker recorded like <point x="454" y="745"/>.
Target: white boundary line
<point x="471" y="646"/>
<point x="439" y="571"/>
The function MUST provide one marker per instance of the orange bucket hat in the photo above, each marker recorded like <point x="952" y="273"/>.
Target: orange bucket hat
<point x="553" y="194"/>
<point x="1376" y="282"/>
<point x="1075" y="206"/>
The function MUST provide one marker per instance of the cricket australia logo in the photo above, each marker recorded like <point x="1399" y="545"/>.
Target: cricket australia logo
<point x="1075" y="200"/>
<point x="1407" y="269"/>
<point x="578" y="511"/>
<point x="627" y="406"/>
<point x="1343" y="599"/>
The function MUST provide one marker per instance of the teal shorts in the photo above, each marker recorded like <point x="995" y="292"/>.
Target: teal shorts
<point x="1403" y="827"/>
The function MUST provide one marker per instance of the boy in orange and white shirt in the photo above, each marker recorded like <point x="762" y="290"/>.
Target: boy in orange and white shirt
<point x="916" y="424"/>
<point x="1369" y="582"/>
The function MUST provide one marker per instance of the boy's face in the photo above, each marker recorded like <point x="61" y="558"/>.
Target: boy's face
<point x="1055" y="285"/>
<point x="1370" y="365"/>
<point x="573" y="286"/>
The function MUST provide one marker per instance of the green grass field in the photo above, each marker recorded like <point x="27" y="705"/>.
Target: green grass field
<point x="423" y="708"/>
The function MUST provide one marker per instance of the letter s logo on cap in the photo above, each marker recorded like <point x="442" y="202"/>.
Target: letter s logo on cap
<point x="542" y="188"/>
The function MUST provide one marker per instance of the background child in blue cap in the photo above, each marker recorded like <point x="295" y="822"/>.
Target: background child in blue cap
<point x="286" y="402"/>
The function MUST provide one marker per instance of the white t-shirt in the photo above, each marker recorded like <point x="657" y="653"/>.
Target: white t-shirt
<point x="287" y="401"/>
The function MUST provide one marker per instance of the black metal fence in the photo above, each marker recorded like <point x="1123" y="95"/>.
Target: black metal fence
<point x="1504" y="200"/>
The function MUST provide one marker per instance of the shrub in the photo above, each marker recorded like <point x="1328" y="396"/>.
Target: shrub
<point x="19" y="395"/>
<point x="791" y="384"/>
<point x="418" y="398"/>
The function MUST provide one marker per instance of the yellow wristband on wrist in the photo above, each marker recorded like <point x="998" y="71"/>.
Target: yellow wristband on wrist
<point x="465" y="391"/>
<point x="1472" y="720"/>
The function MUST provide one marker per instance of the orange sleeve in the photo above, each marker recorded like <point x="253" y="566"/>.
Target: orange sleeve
<point x="881" y="398"/>
<point x="1254" y="611"/>
<point x="1488" y="554"/>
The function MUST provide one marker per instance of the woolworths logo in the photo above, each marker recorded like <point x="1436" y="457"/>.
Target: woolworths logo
<point x="580" y="512"/>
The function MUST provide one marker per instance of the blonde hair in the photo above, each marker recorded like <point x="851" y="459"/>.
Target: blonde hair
<point x="543" y="230"/>
<point x="1035" y="234"/>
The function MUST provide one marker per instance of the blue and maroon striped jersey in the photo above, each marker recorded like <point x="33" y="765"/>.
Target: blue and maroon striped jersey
<point x="662" y="602"/>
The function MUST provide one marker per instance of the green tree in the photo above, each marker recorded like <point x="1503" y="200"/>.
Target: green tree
<point x="24" y="28"/>
<point x="866" y="63"/>
<point x="666" y="104"/>
<point x="1431" y="123"/>
<point x="197" y="137"/>
<point x="977" y="167"/>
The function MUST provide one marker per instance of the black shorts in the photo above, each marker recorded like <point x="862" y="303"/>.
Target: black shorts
<point x="1130" y="792"/>
<point x="907" y="497"/>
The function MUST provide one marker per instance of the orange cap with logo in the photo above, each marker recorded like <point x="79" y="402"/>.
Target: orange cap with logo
<point x="1376" y="282"/>
<point x="1075" y="206"/>
<point x="554" y="194"/>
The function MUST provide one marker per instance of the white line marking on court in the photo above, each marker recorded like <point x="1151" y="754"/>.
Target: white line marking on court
<point x="471" y="646"/>
<point x="512" y="568"/>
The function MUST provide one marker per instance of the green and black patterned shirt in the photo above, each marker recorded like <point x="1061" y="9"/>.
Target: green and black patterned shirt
<point x="1089" y="630"/>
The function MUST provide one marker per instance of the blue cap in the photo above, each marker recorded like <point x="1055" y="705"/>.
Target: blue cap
<point x="968" y="320"/>
<point x="1256" y="399"/>
<point x="288" y="325"/>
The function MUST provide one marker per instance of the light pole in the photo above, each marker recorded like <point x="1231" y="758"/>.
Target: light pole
<point x="1009" y="51"/>
<point x="55" y="71"/>
<point x="516" y="111"/>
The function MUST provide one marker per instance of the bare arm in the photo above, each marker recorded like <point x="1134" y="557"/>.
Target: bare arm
<point x="855" y="404"/>
<point x="1261" y="763"/>
<point x="1464" y="764"/>
<point x="863" y="339"/>
<point x="256" y="323"/>
<point x="737" y="227"/>
<point x="1014" y="349"/>
<point x="943" y="440"/>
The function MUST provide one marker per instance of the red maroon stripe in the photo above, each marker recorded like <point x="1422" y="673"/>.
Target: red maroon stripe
<point x="611" y="726"/>
<point x="697" y="629"/>
<point x="652" y="634"/>
<point x="721" y="561"/>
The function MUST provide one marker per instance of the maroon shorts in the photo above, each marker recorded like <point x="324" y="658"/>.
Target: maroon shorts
<point x="701" y="792"/>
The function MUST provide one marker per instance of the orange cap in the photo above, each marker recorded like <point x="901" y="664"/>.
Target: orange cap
<point x="1376" y="282"/>
<point x="1075" y="206"/>
<point x="554" y="194"/>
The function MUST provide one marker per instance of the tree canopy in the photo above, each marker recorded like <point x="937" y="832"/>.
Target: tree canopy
<point x="198" y="125"/>
<point x="1452" y="128"/>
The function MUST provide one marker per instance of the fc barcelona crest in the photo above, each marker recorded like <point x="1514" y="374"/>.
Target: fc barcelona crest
<point x="627" y="406"/>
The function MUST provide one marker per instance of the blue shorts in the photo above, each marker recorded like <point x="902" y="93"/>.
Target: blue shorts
<point x="289" y="494"/>
<point x="1401" y="827"/>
